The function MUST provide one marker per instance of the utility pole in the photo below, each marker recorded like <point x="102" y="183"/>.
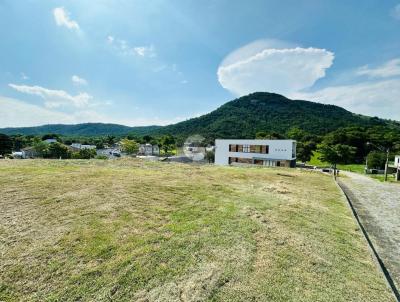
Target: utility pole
<point x="387" y="163"/>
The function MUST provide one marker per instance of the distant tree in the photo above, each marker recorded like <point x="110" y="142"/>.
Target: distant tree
<point x="84" y="154"/>
<point x="41" y="147"/>
<point x="167" y="143"/>
<point x="129" y="146"/>
<point x="336" y="154"/>
<point x="210" y="156"/>
<point x="20" y="141"/>
<point x="87" y="153"/>
<point x="58" y="150"/>
<point x="305" y="150"/>
<point x="147" y="139"/>
<point x="6" y="144"/>
<point x="99" y="143"/>
<point x="110" y="140"/>
<point x="50" y="136"/>
<point x="296" y="134"/>
<point x="268" y="135"/>
<point x="376" y="160"/>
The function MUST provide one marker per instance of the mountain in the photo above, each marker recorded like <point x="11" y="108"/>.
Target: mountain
<point x="242" y="117"/>
<point x="263" y="111"/>
<point x="86" y="129"/>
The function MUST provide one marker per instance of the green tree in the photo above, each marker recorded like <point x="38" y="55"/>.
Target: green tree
<point x="268" y="135"/>
<point x="167" y="143"/>
<point x="6" y="144"/>
<point x="110" y="140"/>
<point x="296" y="134"/>
<point x="305" y="151"/>
<point x="147" y="139"/>
<point x="87" y="153"/>
<point x="129" y="146"/>
<point x="376" y="160"/>
<point x="50" y="136"/>
<point x="336" y="154"/>
<point x="58" y="150"/>
<point x="40" y="147"/>
<point x="210" y="156"/>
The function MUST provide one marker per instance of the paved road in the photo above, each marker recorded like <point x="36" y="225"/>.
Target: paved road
<point x="378" y="207"/>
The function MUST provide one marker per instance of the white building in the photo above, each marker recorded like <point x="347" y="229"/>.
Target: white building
<point x="17" y="154"/>
<point x="80" y="146"/>
<point x="148" y="149"/>
<point x="272" y="153"/>
<point x="397" y="161"/>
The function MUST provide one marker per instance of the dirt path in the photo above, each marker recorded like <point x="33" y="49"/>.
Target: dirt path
<point x="378" y="207"/>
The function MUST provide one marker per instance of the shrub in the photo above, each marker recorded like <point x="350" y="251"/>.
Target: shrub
<point x="376" y="160"/>
<point x="84" y="154"/>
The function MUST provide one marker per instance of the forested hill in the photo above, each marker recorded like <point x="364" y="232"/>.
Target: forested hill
<point x="242" y="117"/>
<point x="270" y="112"/>
<point x="86" y="129"/>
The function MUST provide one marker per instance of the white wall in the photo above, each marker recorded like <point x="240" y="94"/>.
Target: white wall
<point x="397" y="160"/>
<point x="278" y="149"/>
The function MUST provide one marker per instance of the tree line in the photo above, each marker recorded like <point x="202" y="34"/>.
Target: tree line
<point x="342" y="146"/>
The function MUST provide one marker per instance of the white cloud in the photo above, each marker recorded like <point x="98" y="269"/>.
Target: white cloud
<point x="145" y="51"/>
<point x="110" y="39"/>
<point x="55" y="98"/>
<point x="396" y="12"/>
<point x="389" y="69"/>
<point x="16" y="113"/>
<point x="78" y="80"/>
<point x="379" y="98"/>
<point x="282" y="70"/>
<point x="123" y="47"/>
<point x="24" y="76"/>
<point x="62" y="18"/>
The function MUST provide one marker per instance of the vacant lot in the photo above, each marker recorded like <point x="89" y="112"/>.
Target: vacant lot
<point x="133" y="231"/>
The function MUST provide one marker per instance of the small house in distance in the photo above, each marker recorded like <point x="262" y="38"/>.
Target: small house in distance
<point x="29" y="152"/>
<point x="80" y="146"/>
<point x="270" y="153"/>
<point x="148" y="149"/>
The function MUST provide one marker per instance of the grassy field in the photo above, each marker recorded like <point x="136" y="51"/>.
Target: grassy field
<point x="128" y="230"/>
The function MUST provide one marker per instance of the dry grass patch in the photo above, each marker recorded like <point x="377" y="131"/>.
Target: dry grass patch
<point x="128" y="230"/>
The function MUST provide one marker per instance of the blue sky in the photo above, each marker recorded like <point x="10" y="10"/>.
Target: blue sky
<point x="162" y="61"/>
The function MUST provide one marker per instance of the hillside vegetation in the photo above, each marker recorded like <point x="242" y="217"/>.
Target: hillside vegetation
<point x="86" y="129"/>
<point x="128" y="230"/>
<point x="243" y="118"/>
<point x="246" y="116"/>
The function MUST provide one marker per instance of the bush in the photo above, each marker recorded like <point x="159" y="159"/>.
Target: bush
<point x="101" y="157"/>
<point x="376" y="160"/>
<point x="58" y="150"/>
<point x="84" y="154"/>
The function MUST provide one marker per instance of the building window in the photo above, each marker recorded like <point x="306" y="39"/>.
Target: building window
<point x="260" y="149"/>
<point x="293" y="150"/>
<point x="240" y="160"/>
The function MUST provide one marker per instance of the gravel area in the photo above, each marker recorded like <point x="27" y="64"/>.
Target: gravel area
<point x="378" y="207"/>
